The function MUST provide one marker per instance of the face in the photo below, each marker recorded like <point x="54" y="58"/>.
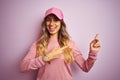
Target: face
<point x="53" y="25"/>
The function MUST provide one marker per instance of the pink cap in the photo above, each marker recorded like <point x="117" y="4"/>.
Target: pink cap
<point x="55" y="11"/>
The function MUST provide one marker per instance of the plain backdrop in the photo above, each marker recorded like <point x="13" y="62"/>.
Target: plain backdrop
<point x="20" y="25"/>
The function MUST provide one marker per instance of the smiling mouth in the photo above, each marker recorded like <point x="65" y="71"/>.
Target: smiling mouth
<point x="52" y="28"/>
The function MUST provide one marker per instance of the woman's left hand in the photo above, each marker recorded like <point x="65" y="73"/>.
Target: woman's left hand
<point x="95" y="44"/>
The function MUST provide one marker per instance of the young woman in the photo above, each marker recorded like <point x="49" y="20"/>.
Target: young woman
<point x="53" y="52"/>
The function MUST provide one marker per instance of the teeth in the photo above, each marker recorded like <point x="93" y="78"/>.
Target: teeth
<point x="52" y="27"/>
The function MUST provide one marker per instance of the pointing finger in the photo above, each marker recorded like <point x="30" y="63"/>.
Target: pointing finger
<point x="64" y="47"/>
<point x="60" y="50"/>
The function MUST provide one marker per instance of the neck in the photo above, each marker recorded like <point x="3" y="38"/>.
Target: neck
<point x="55" y="36"/>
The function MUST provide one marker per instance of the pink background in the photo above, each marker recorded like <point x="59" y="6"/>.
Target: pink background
<point x="20" y="23"/>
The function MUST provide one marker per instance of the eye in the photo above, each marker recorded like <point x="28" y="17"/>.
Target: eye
<point x="48" y="19"/>
<point x="56" y="19"/>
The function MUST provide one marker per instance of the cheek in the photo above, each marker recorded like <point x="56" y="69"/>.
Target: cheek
<point x="58" y="25"/>
<point x="47" y="23"/>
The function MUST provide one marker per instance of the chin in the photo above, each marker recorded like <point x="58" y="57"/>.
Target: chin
<point x="52" y="33"/>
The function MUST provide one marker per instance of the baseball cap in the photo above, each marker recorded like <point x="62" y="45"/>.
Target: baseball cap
<point x="54" y="11"/>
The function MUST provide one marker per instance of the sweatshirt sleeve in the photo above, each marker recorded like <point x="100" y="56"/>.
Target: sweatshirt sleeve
<point x="87" y="64"/>
<point x="30" y="62"/>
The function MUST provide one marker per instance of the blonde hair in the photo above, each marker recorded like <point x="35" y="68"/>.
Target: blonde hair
<point x="63" y="40"/>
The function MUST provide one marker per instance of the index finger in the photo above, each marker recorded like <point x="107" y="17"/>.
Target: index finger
<point x="96" y="36"/>
<point x="64" y="47"/>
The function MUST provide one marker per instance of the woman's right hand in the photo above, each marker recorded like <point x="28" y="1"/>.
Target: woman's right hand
<point x="56" y="52"/>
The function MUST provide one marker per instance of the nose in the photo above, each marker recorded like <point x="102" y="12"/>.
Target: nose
<point x="52" y="22"/>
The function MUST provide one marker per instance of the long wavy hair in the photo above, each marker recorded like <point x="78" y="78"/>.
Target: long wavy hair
<point x="63" y="40"/>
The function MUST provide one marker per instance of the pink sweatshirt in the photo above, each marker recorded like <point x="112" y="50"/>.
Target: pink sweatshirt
<point x="58" y="69"/>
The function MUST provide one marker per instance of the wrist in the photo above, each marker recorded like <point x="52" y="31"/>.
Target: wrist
<point x="46" y="58"/>
<point x="50" y="55"/>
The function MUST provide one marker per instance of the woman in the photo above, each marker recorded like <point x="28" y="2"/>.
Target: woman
<point x="53" y="52"/>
